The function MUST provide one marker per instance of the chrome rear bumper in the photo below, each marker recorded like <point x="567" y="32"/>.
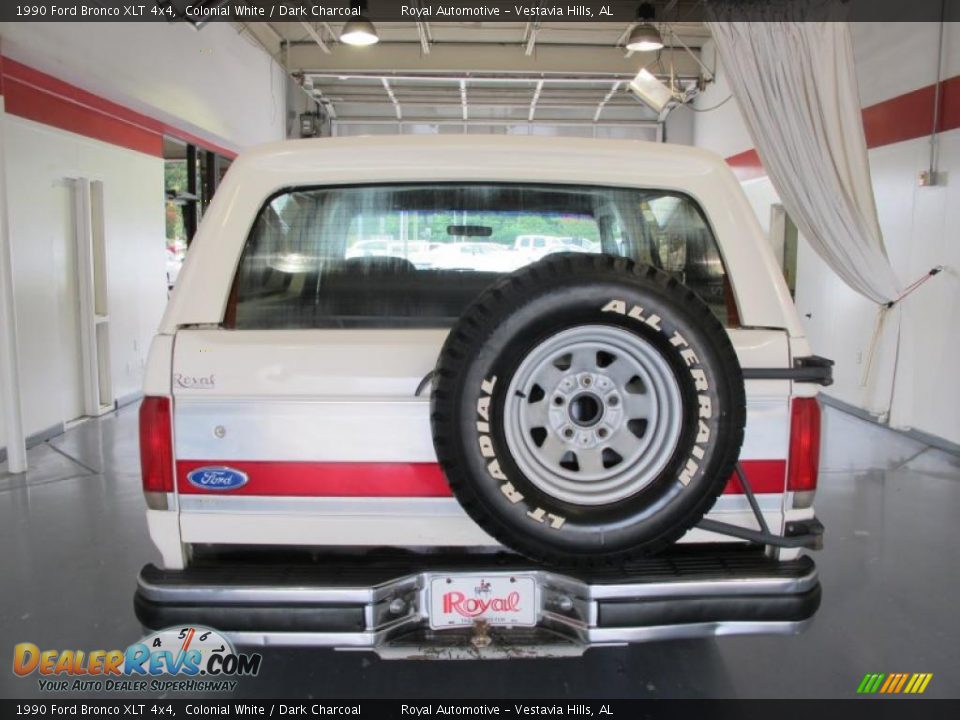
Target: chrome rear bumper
<point x="381" y="603"/>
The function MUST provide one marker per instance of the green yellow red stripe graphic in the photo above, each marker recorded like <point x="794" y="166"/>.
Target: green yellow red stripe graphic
<point x="894" y="683"/>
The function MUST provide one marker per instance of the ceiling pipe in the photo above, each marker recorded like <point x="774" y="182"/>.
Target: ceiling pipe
<point x="935" y="130"/>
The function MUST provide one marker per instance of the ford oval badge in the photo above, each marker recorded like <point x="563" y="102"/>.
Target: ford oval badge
<point x="217" y="478"/>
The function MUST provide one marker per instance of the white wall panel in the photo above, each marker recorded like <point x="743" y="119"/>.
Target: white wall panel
<point x="896" y="58"/>
<point x="39" y="160"/>
<point x="721" y="129"/>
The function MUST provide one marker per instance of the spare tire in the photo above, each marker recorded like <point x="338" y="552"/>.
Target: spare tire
<point x="587" y="410"/>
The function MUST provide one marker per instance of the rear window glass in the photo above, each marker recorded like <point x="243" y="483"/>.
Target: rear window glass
<point x="417" y="255"/>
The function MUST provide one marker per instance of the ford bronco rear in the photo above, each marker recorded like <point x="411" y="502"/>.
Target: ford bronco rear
<point x="372" y="420"/>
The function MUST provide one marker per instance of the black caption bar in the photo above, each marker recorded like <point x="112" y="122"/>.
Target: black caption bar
<point x="406" y="709"/>
<point x="621" y="11"/>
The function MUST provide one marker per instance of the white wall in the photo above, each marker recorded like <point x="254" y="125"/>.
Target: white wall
<point x="214" y="82"/>
<point x="721" y="129"/>
<point x="920" y="230"/>
<point x="39" y="160"/>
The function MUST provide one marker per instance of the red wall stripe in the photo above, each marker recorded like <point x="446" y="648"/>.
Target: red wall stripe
<point x="309" y="479"/>
<point x="746" y="165"/>
<point x="910" y="116"/>
<point x="905" y="117"/>
<point x="34" y="95"/>
<point x="29" y="102"/>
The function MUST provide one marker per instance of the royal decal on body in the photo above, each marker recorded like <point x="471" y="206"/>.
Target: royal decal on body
<point x="191" y="382"/>
<point x="700" y="382"/>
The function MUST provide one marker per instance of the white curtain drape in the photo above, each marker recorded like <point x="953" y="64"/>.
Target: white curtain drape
<point x="796" y="88"/>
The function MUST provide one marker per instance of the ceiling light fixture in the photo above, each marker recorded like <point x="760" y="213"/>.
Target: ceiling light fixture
<point x="359" y="30"/>
<point x="655" y="94"/>
<point x="645" y="37"/>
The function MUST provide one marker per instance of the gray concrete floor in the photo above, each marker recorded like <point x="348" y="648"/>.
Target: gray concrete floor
<point x="74" y="536"/>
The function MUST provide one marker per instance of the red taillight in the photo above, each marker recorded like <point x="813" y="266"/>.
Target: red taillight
<point x="156" y="445"/>
<point x="804" y="445"/>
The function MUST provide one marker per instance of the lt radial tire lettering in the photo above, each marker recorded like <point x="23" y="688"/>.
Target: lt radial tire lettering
<point x="587" y="409"/>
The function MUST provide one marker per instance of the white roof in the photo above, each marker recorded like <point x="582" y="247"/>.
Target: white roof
<point x="481" y="157"/>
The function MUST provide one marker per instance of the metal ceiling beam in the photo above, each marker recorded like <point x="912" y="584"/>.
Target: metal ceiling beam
<point x="606" y="99"/>
<point x="317" y="37"/>
<point x="393" y="98"/>
<point x="330" y="30"/>
<point x="474" y="103"/>
<point x="408" y="58"/>
<point x="519" y="91"/>
<point x="474" y="99"/>
<point x="533" y="101"/>
<point x="423" y="31"/>
<point x="431" y="120"/>
<point x="532" y="39"/>
<point x="480" y="78"/>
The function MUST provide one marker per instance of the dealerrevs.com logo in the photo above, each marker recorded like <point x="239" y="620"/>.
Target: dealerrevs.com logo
<point x="188" y="659"/>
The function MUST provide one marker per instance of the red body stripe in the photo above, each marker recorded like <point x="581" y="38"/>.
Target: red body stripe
<point x="326" y="479"/>
<point x="333" y="479"/>
<point x="764" y="476"/>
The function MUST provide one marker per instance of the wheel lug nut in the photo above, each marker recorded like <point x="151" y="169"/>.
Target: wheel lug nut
<point x="558" y="400"/>
<point x="568" y="433"/>
<point x="602" y="432"/>
<point x="613" y="401"/>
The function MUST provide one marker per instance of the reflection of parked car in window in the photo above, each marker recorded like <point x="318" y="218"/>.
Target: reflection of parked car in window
<point x="339" y="447"/>
<point x="416" y="251"/>
<point x="372" y="247"/>
<point x="582" y="244"/>
<point x="474" y="256"/>
<point x="534" y="247"/>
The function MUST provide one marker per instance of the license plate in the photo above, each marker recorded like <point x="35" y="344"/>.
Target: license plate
<point x="457" y="600"/>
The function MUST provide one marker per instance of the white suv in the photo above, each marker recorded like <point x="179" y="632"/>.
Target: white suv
<point x="604" y="446"/>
